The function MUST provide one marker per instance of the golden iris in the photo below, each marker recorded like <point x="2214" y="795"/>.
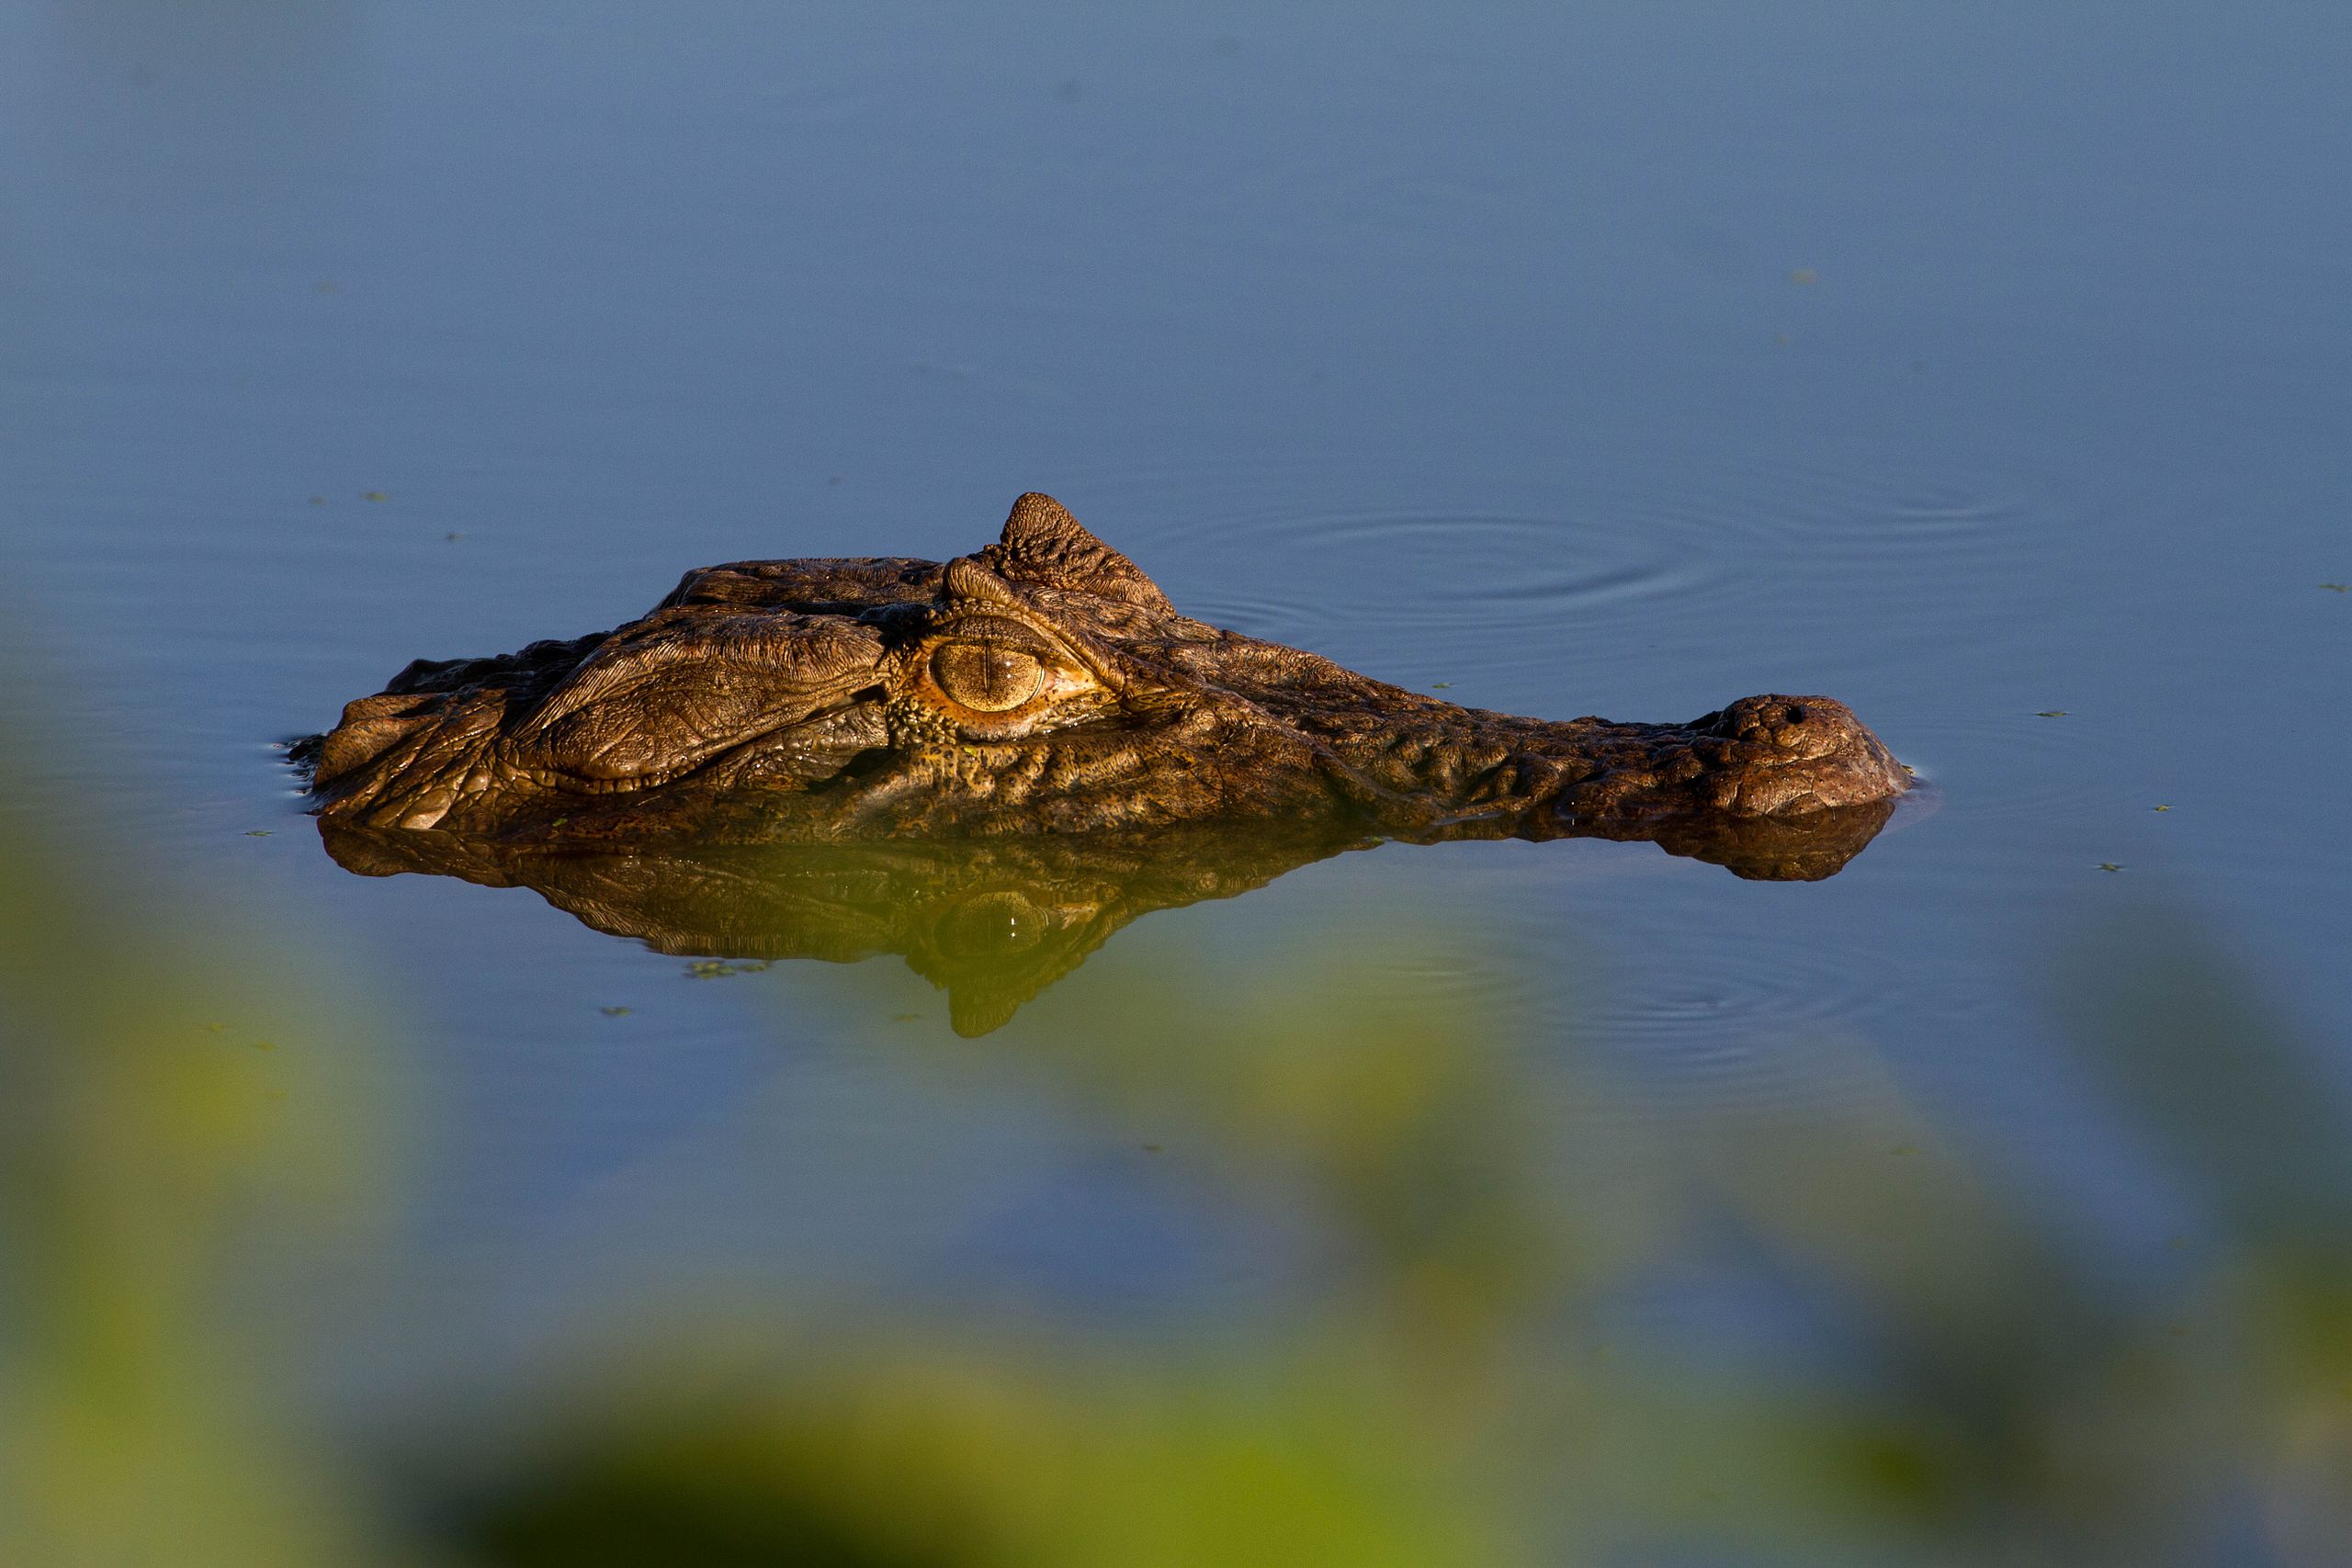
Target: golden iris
<point x="986" y="679"/>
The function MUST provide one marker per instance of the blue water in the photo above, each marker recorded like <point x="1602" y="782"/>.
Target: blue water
<point x="1969" y="364"/>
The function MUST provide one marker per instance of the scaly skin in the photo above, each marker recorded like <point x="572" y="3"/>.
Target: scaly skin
<point x="1041" y="686"/>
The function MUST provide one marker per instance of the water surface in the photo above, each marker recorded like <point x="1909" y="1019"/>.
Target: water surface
<point x="1985" y="370"/>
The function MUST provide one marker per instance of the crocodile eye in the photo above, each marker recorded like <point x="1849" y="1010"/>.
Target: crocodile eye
<point x="986" y="679"/>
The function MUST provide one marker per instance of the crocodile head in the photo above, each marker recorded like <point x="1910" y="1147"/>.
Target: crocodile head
<point x="1040" y="686"/>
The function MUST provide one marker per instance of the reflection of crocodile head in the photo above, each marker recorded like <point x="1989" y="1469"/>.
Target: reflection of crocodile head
<point x="1041" y="686"/>
<point x="993" y="921"/>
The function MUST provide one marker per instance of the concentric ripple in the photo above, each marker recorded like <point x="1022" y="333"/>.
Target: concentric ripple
<point x="1408" y="588"/>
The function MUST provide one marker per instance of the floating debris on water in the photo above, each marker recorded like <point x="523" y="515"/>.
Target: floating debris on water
<point x="616" y="1012"/>
<point x="1804" y="275"/>
<point x="374" y="495"/>
<point x="2109" y="865"/>
<point x="2051" y="713"/>
<point x="719" y="968"/>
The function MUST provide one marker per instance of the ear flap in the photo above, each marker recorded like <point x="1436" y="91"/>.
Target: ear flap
<point x="1044" y="544"/>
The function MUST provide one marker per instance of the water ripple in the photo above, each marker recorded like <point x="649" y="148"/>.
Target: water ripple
<point x="1442" y="580"/>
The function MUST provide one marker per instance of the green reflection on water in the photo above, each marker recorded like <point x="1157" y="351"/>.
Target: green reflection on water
<point x="992" y="921"/>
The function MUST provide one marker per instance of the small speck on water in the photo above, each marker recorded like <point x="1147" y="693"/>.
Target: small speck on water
<point x="264" y="1044"/>
<point x="1441" y="685"/>
<point x="1151" y="1148"/>
<point x="318" y="501"/>
<point x="214" y="1028"/>
<point x="2052" y="713"/>
<point x="2160" y="808"/>
<point x="1803" y="276"/>
<point x="616" y="1012"/>
<point x="2338" y="587"/>
<point x="453" y="538"/>
<point x="375" y="495"/>
<point x="905" y="1016"/>
<point x="258" y="832"/>
<point x="2109" y="865"/>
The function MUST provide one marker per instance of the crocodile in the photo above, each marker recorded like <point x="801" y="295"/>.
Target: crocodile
<point x="1041" y="686"/>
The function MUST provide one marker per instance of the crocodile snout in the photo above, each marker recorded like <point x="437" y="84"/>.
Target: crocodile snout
<point x="1795" y="753"/>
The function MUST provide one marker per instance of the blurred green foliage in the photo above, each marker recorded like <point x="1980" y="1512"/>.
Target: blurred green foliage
<point x="165" y="1101"/>
<point x="1457" y="1378"/>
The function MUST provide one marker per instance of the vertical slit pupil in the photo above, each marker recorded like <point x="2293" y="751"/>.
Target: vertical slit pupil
<point x="988" y="679"/>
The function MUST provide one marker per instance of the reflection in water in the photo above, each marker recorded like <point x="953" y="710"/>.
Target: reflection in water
<point x="992" y="921"/>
